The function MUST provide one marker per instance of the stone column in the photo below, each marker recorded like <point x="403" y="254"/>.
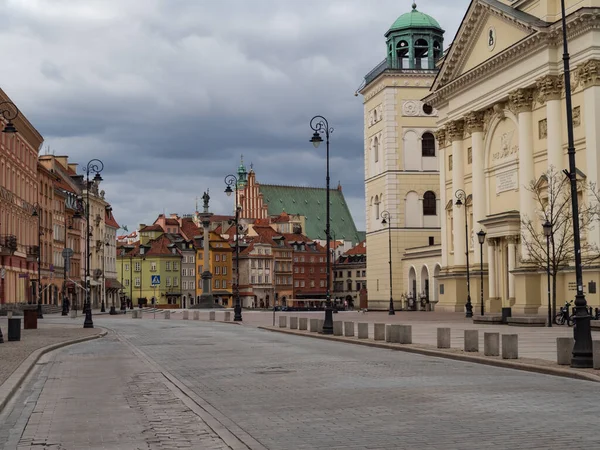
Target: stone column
<point x="589" y="76"/>
<point x="512" y="255"/>
<point x="456" y="133"/>
<point x="206" y="299"/>
<point x="491" y="245"/>
<point x="474" y="123"/>
<point x="441" y="138"/>
<point x="550" y="91"/>
<point x="521" y="102"/>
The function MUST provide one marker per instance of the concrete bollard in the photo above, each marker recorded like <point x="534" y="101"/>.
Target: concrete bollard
<point x="196" y="315"/>
<point x="379" y="332"/>
<point x="405" y="334"/>
<point x="443" y="338"/>
<point x="212" y="315"/>
<point x="293" y="323"/>
<point x="349" y="329"/>
<point x="491" y="344"/>
<point x="227" y="316"/>
<point x="337" y="328"/>
<point x="73" y="314"/>
<point x="320" y="325"/>
<point x="139" y="314"/>
<point x="363" y="331"/>
<point x="303" y="323"/>
<point x="186" y="315"/>
<point x="282" y="321"/>
<point x="388" y="333"/>
<point x="596" y="354"/>
<point x="471" y="340"/>
<point x="564" y="349"/>
<point x="167" y="314"/>
<point x="133" y="314"/>
<point x="510" y="346"/>
<point x="314" y="325"/>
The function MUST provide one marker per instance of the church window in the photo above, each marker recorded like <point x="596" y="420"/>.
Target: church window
<point x="376" y="207"/>
<point x="429" y="204"/>
<point x="375" y="115"/>
<point x="376" y="149"/>
<point x="428" y="144"/>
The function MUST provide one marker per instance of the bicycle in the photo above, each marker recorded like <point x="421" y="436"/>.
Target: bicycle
<point x="563" y="315"/>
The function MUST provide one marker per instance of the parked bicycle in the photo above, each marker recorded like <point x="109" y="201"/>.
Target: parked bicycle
<point x="564" y="315"/>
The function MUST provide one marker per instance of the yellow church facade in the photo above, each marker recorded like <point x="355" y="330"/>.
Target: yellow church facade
<point x="501" y="127"/>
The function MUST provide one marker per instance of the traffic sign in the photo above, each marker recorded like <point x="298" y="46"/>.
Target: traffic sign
<point x="155" y="280"/>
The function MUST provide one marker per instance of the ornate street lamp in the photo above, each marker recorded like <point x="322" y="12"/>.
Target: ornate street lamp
<point x="461" y="198"/>
<point x="95" y="166"/>
<point x="37" y="213"/>
<point x="320" y="126"/>
<point x="548" y="233"/>
<point x="481" y="239"/>
<point x="231" y="180"/>
<point x="10" y="112"/>
<point x="387" y="219"/>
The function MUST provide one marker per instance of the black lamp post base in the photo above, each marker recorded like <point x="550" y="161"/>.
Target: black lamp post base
<point x="391" y="312"/>
<point x="113" y="311"/>
<point x="469" y="309"/>
<point x="88" y="323"/>
<point x="237" y="313"/>
<point x="328" y="322"/>
<point x="40" y="314"/>
<point x="582" y="357"/>
<point x="102" y="308"/>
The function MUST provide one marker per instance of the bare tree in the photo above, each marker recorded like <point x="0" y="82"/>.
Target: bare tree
<point x="552" y="195"/>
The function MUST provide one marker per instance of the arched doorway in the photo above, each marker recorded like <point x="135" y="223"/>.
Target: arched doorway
<point x="436" y="287"/>
<point x="412" y="282"/>
<point x="424" y="294"/>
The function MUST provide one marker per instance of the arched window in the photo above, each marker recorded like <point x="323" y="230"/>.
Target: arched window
<point x="428" y="144"/>
<point x="376" y="207"/>
<point x="429" y="204"/>
<point x="376" y="149"/>
<point x="374" y="115"/>
<point x="402" y="55"/>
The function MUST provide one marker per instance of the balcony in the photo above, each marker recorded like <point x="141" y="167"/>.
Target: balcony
<point x="8" y="244"/>
<point x="32" y="252"/>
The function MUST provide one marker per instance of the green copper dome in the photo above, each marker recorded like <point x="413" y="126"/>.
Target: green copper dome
<point x="414" y="19"/>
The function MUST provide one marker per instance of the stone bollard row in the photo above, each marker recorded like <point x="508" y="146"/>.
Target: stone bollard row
<point x="491" y="344"/>
<point x="471" y="340"/>
<point x="443" y="338"/>
<point x="510" y="346"/>
<point x="379" y="332"/>
<point x="337" y="328"/>
<point x="303" y="323"/>
<point x="363" y="331"/>
<point x="293" y="323"/>
<point x="314" y="325"/>
<point x="196" y="315"/>
<point x="212" y="315"/>
<point x="282" y="321"/>
<point x="388" y="333"/>
<point x="564" y="350"/>
<point x="167" y="314"/>
<point x="186" y="315"/>
<point x="227" y="316"/>
<point x="349" y="329"/>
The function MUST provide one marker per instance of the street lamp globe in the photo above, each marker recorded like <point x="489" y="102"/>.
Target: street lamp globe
<point x="481" y="236"/>
<point x="229" y="191"/>
<point x="316" y="139"/>
<point x="547" y="228"/>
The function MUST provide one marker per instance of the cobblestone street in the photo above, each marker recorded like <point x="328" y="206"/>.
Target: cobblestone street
<point x="274" y="391"/>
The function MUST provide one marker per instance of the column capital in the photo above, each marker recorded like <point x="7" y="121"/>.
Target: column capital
<point x="588" y="73"/>
<point x="549" y="87"/>
<point x="521" y="100"/>
<point x="512" y="239"/>
<point x="456" y="130"/>
<point x="474" y="121"/>
<point x="440" y="135"/>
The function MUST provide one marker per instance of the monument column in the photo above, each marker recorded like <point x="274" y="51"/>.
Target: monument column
<point x="206" y="299"/>
<point x="550" y="90"/>
<point x="521" y="102"/>
<point x="441" y="139"/>
<point x="455" y="132"/>
<point x="474" y="122"/>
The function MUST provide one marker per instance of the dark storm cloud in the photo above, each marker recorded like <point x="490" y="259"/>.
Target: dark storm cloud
<point x="169" y="93"/>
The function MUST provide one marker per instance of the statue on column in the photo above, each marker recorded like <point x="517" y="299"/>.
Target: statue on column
<point x="205" y="199"/>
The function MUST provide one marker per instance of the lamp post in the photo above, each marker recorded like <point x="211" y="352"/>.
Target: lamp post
<point x="95" y="166"/>
<point x="481" y="239"/>
<point x="103" y="305"/>
<point x="37" y="213"/>
<point x="320" y="126"/>
<point x="131" y="280"/>
<point x="387" y="218"/>
<point x="231" y="180"/>
<point x="548" y="233"/>
<point x="461" y="198"/>
<point x="582" y="332"/>
<point x="123" y="305"/>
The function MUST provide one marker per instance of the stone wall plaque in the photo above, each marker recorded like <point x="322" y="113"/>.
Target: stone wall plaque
<point x="507" y="181"/>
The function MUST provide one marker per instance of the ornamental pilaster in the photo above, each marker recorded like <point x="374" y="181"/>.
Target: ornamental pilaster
<point x="549" y="88"/>
<point x="588" y="73"/>
<point x="456" y="130"/>
<point x="521" y="100"/>
<point x="440" y="135"/>
<point x="474" y="121"/>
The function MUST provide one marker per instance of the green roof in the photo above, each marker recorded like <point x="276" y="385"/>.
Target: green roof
<point x="414" y="19"/>
<point x="310" y="203"/>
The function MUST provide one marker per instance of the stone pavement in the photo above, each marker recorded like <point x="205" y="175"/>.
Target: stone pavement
<point x="289" y="392"/>
<point x="99" y="395"/>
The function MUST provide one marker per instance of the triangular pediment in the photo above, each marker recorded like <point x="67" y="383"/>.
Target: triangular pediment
<point x="488" y="29"/>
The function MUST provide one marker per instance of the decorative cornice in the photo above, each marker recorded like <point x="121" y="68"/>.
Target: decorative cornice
<point x="456" y="130"/>
<point x="474" y="121"/>
<point x="549" y="87"/>
<point x="440" y="135"/>
<point x="588" y="73"/>
<point x="520" y="100"/>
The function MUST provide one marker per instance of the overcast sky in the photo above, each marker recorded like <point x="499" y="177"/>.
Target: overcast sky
<point x="169" y="93"/>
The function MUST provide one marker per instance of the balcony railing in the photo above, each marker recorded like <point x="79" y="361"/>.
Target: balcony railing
<point x="32" y="252"/>
<point x="397" y="65"/>
<point x="8" y="244"/>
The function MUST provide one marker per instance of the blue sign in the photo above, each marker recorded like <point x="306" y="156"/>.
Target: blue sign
<point x="155" y="280"/>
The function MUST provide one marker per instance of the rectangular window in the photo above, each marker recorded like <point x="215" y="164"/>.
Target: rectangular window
<point x="137" y="266"/>
<point x="260" y="264"/>
<point x="153" y="267"/>
<point x="349" y="274"/>
<point x="321" y="259"/>
<point x="175" y="281"/>
<point x="358" y="286"/>
<point x="312" y="283"/>
<point x="184" y="285"/>
<point x="217" y="270"/>
<point x="127" y="283"/>
<point x="302" y="283"/>
<point x="295" y="269"/>
<point x="184" y="259"/>
<point x="295" y="259"/>
<point x="364" y="273"/>
<point x="296" y="283"/>
<point x="192" y="260"/>
<point x="126" y="267"/>
<point x="168" y="265"/>
<point x="184" y="272"/>
<point x="312" y="270"/>
<point x="322" y="283"/>
<point x="137" y="282"/>
<point x="252" y="279"/>
<point x="192" y="285"/>
<point x="302" y="259"/>
<point x="301" y="269"/>
<point x="217" y="284"/>
<point x="267" y="279"/>
<point x="267" y="264"/>
<point x="199" y="270"/>
<point x="358" y="273"/>
<point x="260" y="279"/>
<point x="217" y="257"/>
<point x="322" y="269"/>
<point x="175" y="266"/>
<point x="225" y="270"/>
<point x="312" y="259"/>
<point x="224" y="258"/>
<point x="168" y="281"/>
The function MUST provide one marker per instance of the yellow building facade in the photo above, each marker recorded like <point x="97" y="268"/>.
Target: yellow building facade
<point x="501" y="127"/>
<point x="401" y="156"/>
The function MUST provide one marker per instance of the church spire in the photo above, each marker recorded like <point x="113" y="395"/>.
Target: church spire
<point x="242" y="173"/>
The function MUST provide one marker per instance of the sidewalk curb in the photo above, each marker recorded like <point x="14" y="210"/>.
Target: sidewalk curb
<point x="504" y="363"/>
<point x="15" y="380"/>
